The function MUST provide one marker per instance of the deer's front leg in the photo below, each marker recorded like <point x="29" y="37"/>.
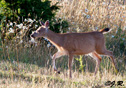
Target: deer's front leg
<point x="56" y="55"/>
<point x="70" y="65"/>
<point x="98" y="60"/>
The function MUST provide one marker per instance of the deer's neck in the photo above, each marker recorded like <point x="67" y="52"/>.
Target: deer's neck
<point x="53" y="37"/>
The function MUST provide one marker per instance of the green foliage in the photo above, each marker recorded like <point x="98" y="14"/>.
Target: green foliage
<point x="58" y="25"/>
<point x="17" y="11"/>
<point x="81" y="67"/>
<point x="122" y="39"/>
<point x="4" y="10"/>
<point x="118" y="42"/>
<point x="14" y="9"/>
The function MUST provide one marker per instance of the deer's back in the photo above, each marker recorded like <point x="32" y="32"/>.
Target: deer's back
<point x="82" y="43"/>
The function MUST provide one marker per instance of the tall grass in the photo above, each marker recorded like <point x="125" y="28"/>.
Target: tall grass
<point x="93" y="14"/>
<point x="30" y="65"/>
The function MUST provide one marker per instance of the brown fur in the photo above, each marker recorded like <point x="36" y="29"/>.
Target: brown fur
<point x="77" y="43"/>
<point x="98" y="56"/>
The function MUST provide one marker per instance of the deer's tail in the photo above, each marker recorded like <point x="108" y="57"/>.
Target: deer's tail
<point x="104" y="30"/>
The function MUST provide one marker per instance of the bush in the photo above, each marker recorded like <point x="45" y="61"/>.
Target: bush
<point x="16" y="12"/>
<point x="20" y="9"/>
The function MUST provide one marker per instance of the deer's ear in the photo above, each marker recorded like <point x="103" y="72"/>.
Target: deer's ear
<point x="47" y="23"/>
<point x="41" y="23"/>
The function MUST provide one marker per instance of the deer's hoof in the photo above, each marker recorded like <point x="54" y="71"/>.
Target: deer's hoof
<point x="58" y="72"/>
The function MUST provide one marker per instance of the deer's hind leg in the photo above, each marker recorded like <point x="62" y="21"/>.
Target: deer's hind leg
<point x="103" y="51"/>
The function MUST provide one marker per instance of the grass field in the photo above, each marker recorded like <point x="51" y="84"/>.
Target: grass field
<point x="28" y="65"/>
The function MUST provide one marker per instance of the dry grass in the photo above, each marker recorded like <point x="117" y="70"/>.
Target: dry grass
<point x="46" y="78"/>
<point x="93" y="15"/>
<point x="23" y="66"/>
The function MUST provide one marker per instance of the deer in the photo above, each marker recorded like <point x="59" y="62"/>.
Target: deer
<point x="71" y="44"/>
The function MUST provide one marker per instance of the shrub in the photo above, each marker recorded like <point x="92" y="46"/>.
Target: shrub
<point x="20" y="9"/>
<point x="15" y="13"/>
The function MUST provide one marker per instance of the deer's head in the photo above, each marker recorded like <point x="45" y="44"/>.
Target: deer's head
<point x="41" y="31"/>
